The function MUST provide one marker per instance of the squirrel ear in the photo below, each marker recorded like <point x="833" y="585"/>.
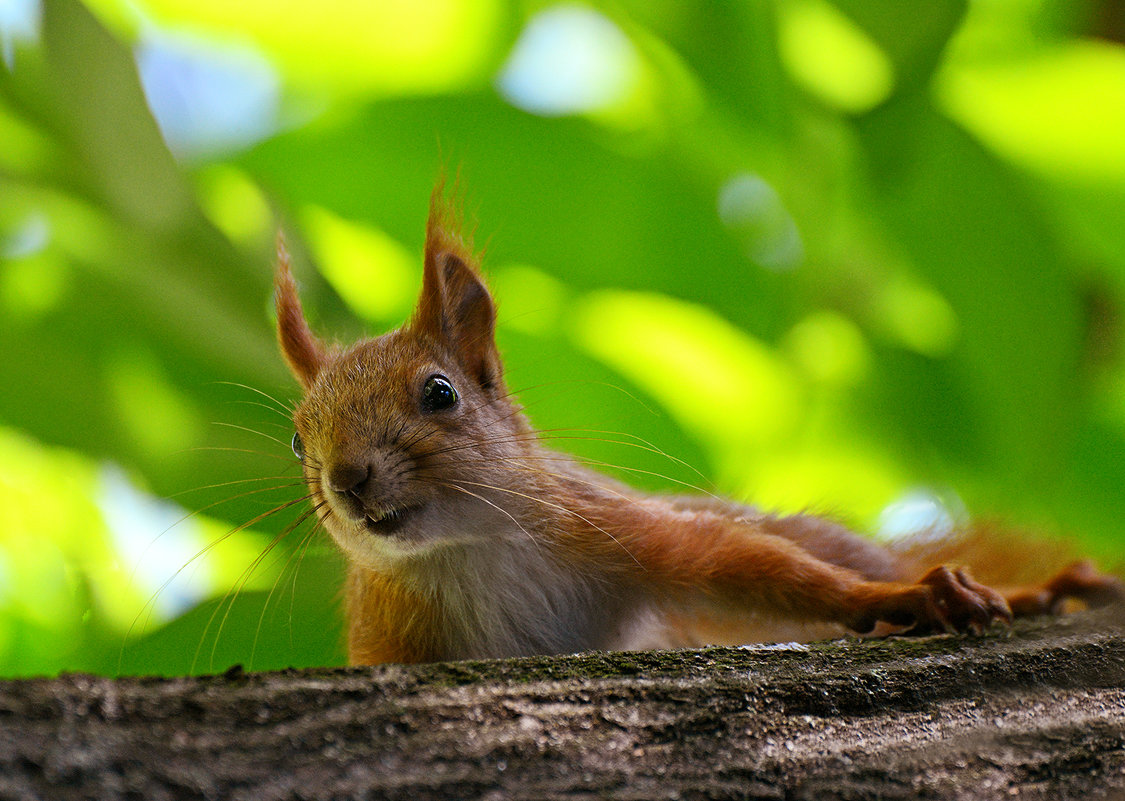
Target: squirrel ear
<point x="302" y="350"/>
<point x="455" y="308"/>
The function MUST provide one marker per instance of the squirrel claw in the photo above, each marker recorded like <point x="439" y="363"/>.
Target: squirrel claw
<point x="955" y="602"/>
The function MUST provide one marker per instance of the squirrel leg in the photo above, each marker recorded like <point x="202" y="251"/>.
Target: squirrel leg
<point x="1080" y="581"/>
<point x="766" y="573"/>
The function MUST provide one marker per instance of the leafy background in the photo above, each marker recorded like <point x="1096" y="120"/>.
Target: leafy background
<point x="861" y="257"/>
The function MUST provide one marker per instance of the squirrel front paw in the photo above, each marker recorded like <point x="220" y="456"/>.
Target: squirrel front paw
<point x="944" y="599"/>
<point x="959" y="603"/>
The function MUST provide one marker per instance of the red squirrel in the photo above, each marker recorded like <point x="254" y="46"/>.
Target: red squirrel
<point x="467" y="538"/>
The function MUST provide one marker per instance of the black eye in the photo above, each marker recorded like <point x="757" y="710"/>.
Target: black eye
<point x="298" y="446"/>
<point x="438" y="394"/>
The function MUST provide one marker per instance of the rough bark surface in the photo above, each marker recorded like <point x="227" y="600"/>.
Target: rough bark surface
<point x="1037" y="711"/>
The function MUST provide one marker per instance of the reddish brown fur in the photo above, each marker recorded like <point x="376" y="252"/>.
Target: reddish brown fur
<point x="509" y="548"/>
<point x="386" y="621"/>
<point x="303" y="351"/>
<point x="455" y="307"/>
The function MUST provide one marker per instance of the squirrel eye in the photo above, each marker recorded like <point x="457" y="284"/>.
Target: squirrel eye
<point x="438" y="394"/>
<point x="298" y="446"/>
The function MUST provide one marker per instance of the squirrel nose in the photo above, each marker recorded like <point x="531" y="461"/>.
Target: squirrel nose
<point x="345" y="478"/>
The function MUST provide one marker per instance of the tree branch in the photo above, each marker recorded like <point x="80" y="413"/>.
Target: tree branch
<point x="1033" y="712"/>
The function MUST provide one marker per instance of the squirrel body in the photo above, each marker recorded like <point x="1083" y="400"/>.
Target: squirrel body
<point x="467" y="538"/>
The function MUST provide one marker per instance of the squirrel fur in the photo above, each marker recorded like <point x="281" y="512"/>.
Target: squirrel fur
<point x="467" y="538"/>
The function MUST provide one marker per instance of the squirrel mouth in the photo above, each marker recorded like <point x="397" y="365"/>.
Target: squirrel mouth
<point x="388" y="521"/>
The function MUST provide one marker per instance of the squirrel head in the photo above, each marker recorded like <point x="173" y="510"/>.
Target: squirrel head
<point x="406" y="439"/>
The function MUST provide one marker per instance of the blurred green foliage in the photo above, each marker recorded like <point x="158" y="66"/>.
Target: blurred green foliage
<point x="841" y="255"/>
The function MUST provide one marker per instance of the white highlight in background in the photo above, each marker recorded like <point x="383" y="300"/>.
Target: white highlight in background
<point x="207" y="97"/>
<point x="569" y="60"/>
<point x="155" y="539"/>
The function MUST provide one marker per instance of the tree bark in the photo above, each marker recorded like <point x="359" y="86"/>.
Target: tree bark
<point x="1037" y="711"/>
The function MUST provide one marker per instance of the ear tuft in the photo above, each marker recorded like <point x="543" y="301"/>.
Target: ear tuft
<point x="304" y="353"/>
<point x="445" y="227"/>
<point x="455" y="308"/>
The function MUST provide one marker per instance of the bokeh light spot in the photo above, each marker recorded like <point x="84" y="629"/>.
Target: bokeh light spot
<point x="569" y="59"/>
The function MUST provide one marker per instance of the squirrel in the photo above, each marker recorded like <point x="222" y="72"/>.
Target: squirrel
<point x="466" y="537"/>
